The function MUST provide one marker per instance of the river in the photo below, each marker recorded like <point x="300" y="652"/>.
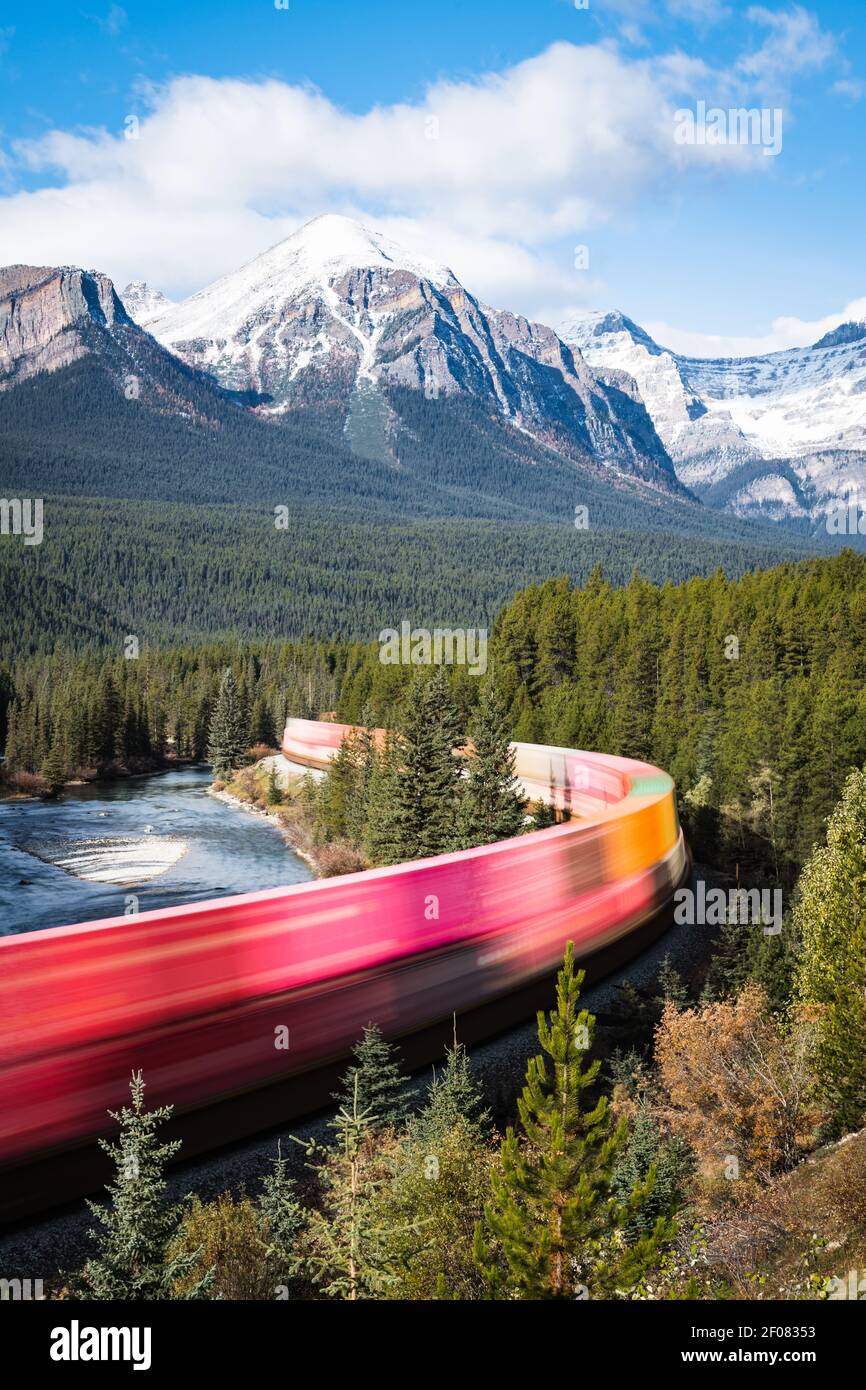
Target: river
<point x="161" y="840"/>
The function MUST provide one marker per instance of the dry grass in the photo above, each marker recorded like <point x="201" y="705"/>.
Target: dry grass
<point x="23" y="784"/>
<point x="339" y="857"/>
<point x="811" y="1220"/>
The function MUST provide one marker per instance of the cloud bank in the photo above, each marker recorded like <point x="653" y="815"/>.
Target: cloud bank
<point x="500" y="176"/>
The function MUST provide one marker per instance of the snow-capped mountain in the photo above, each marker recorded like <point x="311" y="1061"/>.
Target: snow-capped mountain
<point x="143" y="303"/>
<point x="783" y="435"/>
<point x="339" y="313"/>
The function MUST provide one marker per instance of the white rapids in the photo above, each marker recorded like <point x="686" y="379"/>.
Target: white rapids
<point x="118" y="859"/>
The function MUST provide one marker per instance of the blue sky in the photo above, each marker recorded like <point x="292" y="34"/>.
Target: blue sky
<point x="497" y="136"/>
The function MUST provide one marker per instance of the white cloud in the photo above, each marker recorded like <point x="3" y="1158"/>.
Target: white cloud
<point x="699" y="11"/>
<point x="849" y="87"/>
<point x="783" y="333"/>
<point x="494" y="175"/>
<point x="795" y="44"/>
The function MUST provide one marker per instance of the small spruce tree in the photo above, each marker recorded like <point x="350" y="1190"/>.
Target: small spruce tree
<point x="284" y="1219"/>
<point x="376" y="1072"/>
<point x="491" y="807"/>
<point x="54" y="767"/>
<point x="138" y="1227"/>
<point x="672" y="986"/>
<point x="454" y="1096"/>
<point x="345" y="1253"/>
<point x="646" y="1148"/>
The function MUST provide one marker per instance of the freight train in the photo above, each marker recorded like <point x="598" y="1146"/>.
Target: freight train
<point x="220" y="998"/>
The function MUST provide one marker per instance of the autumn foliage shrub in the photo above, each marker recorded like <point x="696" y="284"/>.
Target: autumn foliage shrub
<point x="737" y="1085"/>
<point x="229" y="1237"/>
<point x="25" y="783"/>
<point x="259" y="751"/>
<point x="339" y="857"/>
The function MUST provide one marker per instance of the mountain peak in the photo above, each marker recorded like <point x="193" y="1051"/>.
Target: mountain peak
<point x="331" y="245"/>
<point x="595" y="327"/>
<point x="142" y="303"/>
<point x="841" y="336"/>
<point x="296" y="270"/>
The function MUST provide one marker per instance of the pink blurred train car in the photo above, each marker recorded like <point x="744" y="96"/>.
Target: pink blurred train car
<point x="204" y="998"/>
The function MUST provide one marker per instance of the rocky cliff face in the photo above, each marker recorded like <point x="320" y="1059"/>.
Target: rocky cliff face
<point x="704" y="446"/>
<point x="53" y="317"/>
<point x="46" y="314"/>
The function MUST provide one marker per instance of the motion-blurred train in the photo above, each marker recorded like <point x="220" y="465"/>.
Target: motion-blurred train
<point x="218" y="998"/>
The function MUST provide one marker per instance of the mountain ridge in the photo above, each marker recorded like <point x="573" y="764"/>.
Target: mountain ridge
<point x="803" y="409"/>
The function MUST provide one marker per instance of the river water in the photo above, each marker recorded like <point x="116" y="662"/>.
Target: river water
<point x="161" y="840"/>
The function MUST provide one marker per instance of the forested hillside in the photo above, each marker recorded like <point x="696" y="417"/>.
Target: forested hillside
<point x="174" y="573"/>
<point x="749" y="690"/>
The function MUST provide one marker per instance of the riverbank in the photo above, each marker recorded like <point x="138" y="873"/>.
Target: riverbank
<point x="31" y="786"/>
<point x="272" y="788"/>
<point x="277" y="816"/>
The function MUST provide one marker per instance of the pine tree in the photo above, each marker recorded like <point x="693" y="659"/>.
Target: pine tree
<point x="262" y="728"/>
<point x="366" y="763"/>
<point x="428" y="1207"/>
<point x="54" y="767"/>
<point x="376" y="1073"/>
<point x="384" y="832"/>
<point x="227" y="741"/>
<point x="431" y="787"/>
<point x="156" y="732"/>
<point x="454" y="1096"/>
<point x="415" y="798"/>
<point x="553" y="1228"/>
<point x="138" y="1227"/>
<point x="830" y="918"/>
<point x="729" y="965"/>
<point x="285" y="1219"/>
<point x="345" y="1253"/>
<point x="672" y="986"/>
<point x="491" y="806"/>
<point x="15" y="758"/>
<point x="672" y="1160"/>
<point x="107" y="718"/>
<point x="274" y="795"/>
<point x="543" y="816"/>
<point x="338" y="792"/>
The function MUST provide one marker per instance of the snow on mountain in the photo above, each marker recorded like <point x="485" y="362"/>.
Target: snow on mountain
<point x="142" y="303"/>
<point x="719" y="417"/>
<point x="791" y="403"/>
<point x="295" y="272"/>
<point x="771" y="495"/>
<point x="704" y="445"/>
<point x="338" y="311"/>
